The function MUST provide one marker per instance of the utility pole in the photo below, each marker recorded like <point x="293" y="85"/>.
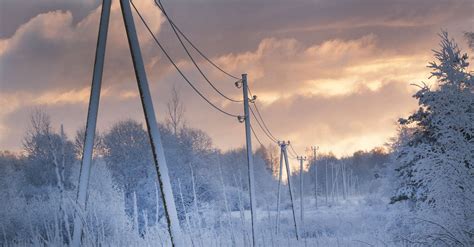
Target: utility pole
<point x="344" y="187"/>
<point x="326" y="180"/>
<point x="301" y="159"/>
<point x="159" y="160"/>
<point x="332" y="182"/>
<point x="282" y="145"/>
<point x="284" y="158"/>
<point x="248" y="140"/>
<point x="315" y="149"/>
<point x="288" y="173"/>
<point x="91" y="123"/>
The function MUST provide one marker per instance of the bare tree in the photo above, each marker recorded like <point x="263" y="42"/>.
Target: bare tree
<point x="175" y="119"/>
<point x="46" y="149"/>
<point x="98" y="149"/>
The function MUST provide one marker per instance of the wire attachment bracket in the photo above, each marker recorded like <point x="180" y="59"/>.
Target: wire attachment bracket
<point x="238" y="84"/>
<point x="252" y="100"/>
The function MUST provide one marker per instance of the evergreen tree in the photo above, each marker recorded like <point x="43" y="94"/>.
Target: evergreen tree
<point x="435" y="151"/>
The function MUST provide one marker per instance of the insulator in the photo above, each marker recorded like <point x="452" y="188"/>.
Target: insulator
<point x="238" y="84"/>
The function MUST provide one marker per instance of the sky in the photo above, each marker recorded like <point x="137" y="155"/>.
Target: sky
<point x="336" y="74"/>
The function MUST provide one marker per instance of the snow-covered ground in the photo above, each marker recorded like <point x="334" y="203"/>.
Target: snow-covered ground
<point x="356" y="221"/>
<point x="352" y="222"/>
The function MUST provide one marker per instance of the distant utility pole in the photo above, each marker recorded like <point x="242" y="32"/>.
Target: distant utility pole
<point x="315" y="150"/>
<point x="159" y="160"/>
<point x="284" y="156"/>
<point x="282" y="145"/>
<point x="301" y="159"/>
<point x="326" y="180"/>
<point x="248" y="140"/>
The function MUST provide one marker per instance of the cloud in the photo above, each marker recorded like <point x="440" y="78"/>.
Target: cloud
<point x="283" y="67"/>
<point x="50" y="52"/>
<point x="323" y="75"/>
<point x="343" y="124"/>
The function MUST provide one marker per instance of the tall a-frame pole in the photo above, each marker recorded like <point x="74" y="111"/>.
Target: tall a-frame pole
<point x="284" y="157"/>
<point x="150" y="118"/>
<point x="288" y="173"/>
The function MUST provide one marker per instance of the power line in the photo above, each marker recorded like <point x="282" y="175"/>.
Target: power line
<point x="261" y="118"/>
<point x="294" y="152"/>
<point x="263" y="121"/>
<point x="195" y="48"/>
<point x="259" y="124"/>
<point x="176" y="66"/>
<point x="292" y="156"/>
<point x="178" y="32"/>
<point x="255" y="135"/>
<point x="189" y="54"/>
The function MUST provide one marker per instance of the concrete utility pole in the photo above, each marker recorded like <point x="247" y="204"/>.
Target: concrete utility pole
<point x="280" y="174"/>
<point x="301" y="159"/>
<point x="284" y="157"/>
<point x="91" y="123"/>
<point x="169" y="206"/>
<point x="315" y="149"/>
<point x="248" y="140"/>
<point x="159" y="160"/>
<point x="326" y="180"/>
<point x="288" y="173"/>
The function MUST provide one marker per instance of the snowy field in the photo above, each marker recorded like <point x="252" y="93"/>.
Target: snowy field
<point x="352" y="222"/>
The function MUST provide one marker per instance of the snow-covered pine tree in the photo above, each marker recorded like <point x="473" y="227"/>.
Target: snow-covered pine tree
<point x="435" y="152"/>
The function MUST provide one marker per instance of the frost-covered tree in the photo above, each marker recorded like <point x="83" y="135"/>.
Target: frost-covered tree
<point x="175" y="119"/>
<point x="435" y="151"/>
<point x="79" y="143"/>
<point x="127" y="152"/>
<point x="50" y="155"/>
<point x="271" y="156"/>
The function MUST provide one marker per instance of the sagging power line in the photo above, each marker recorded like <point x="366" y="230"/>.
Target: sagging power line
<point x="261" y="118"/>
<point x="177" y="68"/>
<point x="293" y="150"/>
<point x="255" y="135"/>
<point x="195" y="47"/>
<point x="178" y="36"/>
<point x="262" y="128"/>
